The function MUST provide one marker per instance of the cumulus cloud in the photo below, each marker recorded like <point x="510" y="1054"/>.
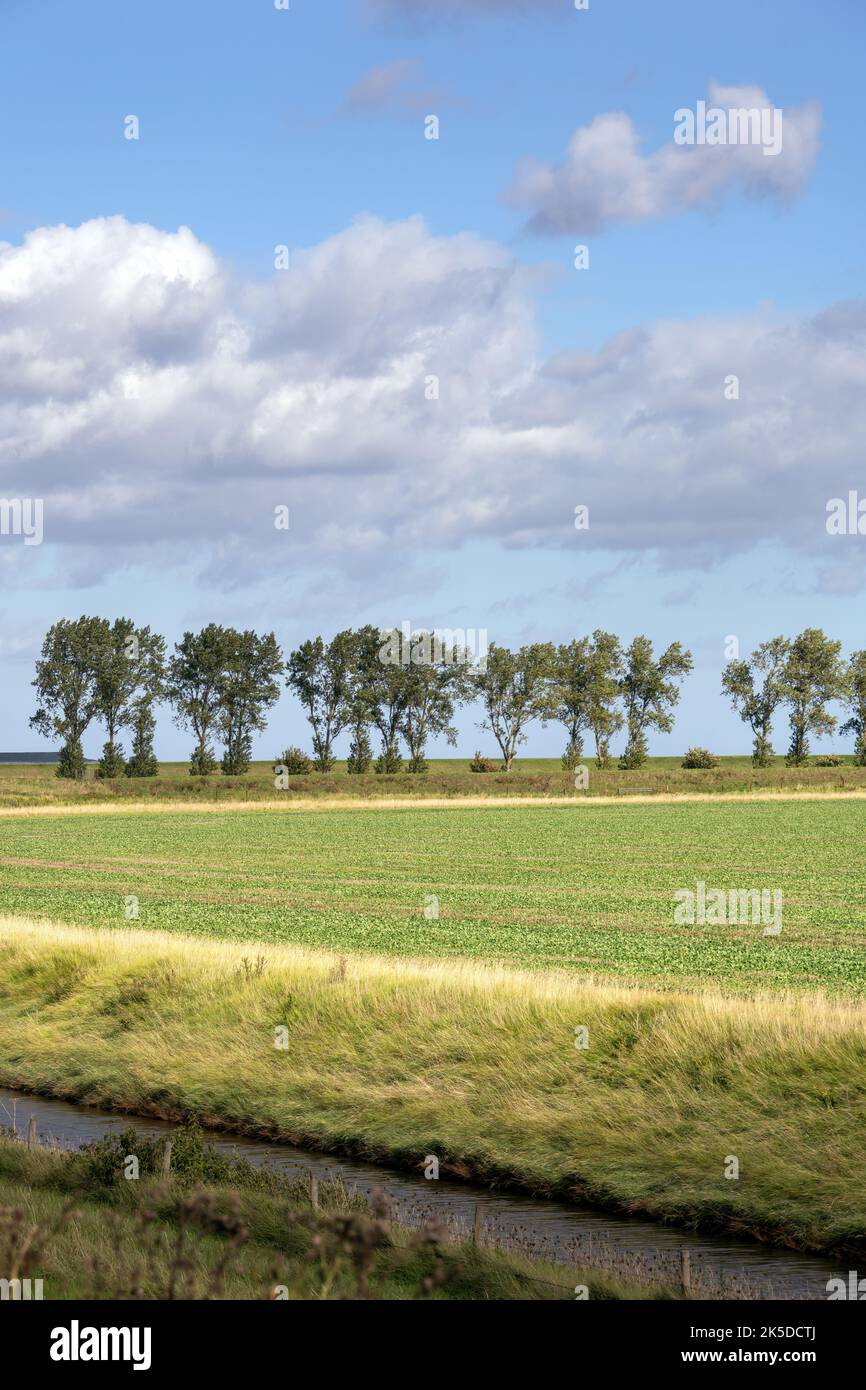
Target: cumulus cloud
<point x="605" y="178"/>
<point x="388" y="390"/>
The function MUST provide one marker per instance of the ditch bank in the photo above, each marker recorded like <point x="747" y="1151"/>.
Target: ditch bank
<point x="393" y="1062"/>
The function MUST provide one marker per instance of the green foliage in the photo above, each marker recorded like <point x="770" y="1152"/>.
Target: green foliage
<point x="111" y="762"/>
<point x="247" y="686"/>
<point x="514" y="688"/>
<point x="756" y="689"/>
<point x="321" y="676"/>
<point x="193" y="688"/>
<point x="360" y="757"/>
<point x="700" y="757"/>
<point x="479" y="764"/>
<point x="854" y="697"/>
<point x="584" y="693"/>
<point x="650" y="692"/>
<point x="390" y="760"/>
<point x="295" y="761"/>
<point x="436" y="680"/>
<point x="813" y="675"/>
<point x="66" y="687"/>
<point x="70" y="764"/>
<point x="635" y="753"/>
<point x="572" y="756"/>
<point x="142" y="761"/>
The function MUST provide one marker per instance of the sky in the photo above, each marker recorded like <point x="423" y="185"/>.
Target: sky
<point x="281" y="292"/>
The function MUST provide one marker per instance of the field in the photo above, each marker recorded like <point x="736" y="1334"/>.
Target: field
<point x="431" y="966"/>
<point x="585" y="888"/>
<point x="29" y="785"/>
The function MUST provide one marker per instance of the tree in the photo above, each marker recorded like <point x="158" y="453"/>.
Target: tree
<point x="585" y="691"/>
<point x="193" y="688"/>
<point x="366" y="643"/>
<point x="812" y="676"/>
<point x="855" y="700"/>
<point x="65" y="684"/>
<point x="434" y="685"/>
<point x="569" y="695"/>
<point x="115" y="685"/>
<point x="650" y="693"/>
<point x="382" y="691"/>
<point x="247" y="686"/>
<point x="514" y="688"/>
<point x="149" y="661"/>
<point x="360" y="756"/>
<point x="606" y="670"/>
<point x="757" y="703"/>
<point x="320" y="676"/>
<point x="142" y="761"/>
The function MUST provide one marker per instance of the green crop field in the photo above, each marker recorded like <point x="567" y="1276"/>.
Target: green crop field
<point x="585" y="888"/>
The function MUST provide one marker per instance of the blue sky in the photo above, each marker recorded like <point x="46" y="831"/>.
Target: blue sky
<point x="253" y="386"/>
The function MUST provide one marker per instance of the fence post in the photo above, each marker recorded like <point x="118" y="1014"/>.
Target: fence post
<point x="314" y="1191"/>
<point x="687" y="1270"/>
<point x="31" y="1133"/>
<point x="166" y="1159"/>
<point x="476" y="1226"/>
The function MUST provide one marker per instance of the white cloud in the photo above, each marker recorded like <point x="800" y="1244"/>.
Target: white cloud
<point x="605" y="178"/>
<point x="163" y="407"/>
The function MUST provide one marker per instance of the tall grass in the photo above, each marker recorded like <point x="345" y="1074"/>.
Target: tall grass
<point x="475" y="1065"/>
<point x="74" y="1222"/>
<point x="447" y="779"/>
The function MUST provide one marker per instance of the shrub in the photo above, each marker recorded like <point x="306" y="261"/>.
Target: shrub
<point x="71" y="762"/>
<point x="572" y="755"/>
<point x="295" y="761"/>
<point x="111" y="762"/>
<point x="700" y="757"/>
<point x="389" y="760"/>
<point x="480" y="764"/>
<point x="360" y="754"/>
<point x="829" y="760"/>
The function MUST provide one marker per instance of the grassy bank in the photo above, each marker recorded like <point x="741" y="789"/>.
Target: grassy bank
<point x="475" y="1065"/>
<point x="224" y="1230"/>
<point x="449" y="778"/>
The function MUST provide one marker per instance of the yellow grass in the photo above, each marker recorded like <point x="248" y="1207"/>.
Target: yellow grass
<point x="411" y="803"/>
<point x="476" y="1064"/>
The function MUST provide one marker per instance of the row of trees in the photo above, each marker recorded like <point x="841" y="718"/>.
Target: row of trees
<point x="221" y="682"/>
<point x="805" y="675"/>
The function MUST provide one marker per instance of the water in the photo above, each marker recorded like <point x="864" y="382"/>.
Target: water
<point x="572" y="1235"/>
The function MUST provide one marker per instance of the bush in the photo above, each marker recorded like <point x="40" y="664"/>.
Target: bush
<point x="700" y="757"/>
<point x="71" y="762"/>
<point x="480" y="764"/>
<point x="389" y="760"/>
<point x="829" y="760"/>
<point x="360" y="754"/>
<point x="112" y="761"/>
<point x="572" y="756"/>
<point x="295" y="761"/>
